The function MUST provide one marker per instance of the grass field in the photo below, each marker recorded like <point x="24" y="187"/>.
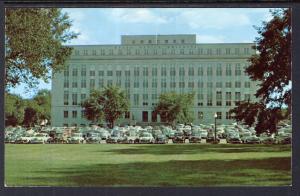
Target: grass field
<point x="147" y="165"/>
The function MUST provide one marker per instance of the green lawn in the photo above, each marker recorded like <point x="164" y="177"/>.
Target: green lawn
<point x="147" y="165"/>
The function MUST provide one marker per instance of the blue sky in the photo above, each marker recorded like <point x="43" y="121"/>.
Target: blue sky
<point x="211" y="25"/>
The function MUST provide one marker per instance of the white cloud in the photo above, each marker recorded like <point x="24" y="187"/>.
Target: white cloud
<point x="140" y="15"/>
<point x="213" y="18"/>
<point x="209" y="39"/>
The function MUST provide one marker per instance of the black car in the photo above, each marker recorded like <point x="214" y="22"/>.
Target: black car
<point x="195" y="138"/>
<point x="179" y="137"/>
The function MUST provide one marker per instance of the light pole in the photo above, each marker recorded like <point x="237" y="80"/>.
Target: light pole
<point x="215" y="126"/>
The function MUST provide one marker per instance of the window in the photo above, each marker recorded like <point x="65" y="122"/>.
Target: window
<point x="82" y="97"/>
<point x="181" y="71"/>
<point x="145" y="99"/>
<point x="74" y="99"/>
<point x="237" y="84"/>
<point x="66" y="114"/>
<point x="247" y="97"/>
<point x="66" y="83"/>
<point x="83" y="71"/>
<point x="209" y="99"/>
<point x="237" y="51"/>
<point x="136" y="71"/>
<point x="127" y="115"/>
<point x="209" y="84"/>
<point x="154" y="97"/>
<point x="92" y="83"/>
<point x="136" y="99"/>
<point x="238" y="71"/>
<point x="119" y="73"/>
<point x="154" y="83"/>
<point x="83" y="83"/>
<point x="209" y="71"/>
<point x="174" y="41"/>
<point x="101" y="73"/>
<point x="66" y="98"/>
<point x="181" y="84"/>
<point x="85" y="52"/>
<point x="154" y="71"/>
<point x="191" y="71"/>
<point x="74" y="114"/>
<point x="200" y="71"/>
<point x="228" y="98"/>
<point x="74" y="84"/>
<point x="127" y="73"/>
<point x="181" y="51"/>
<point x="246" y="50"/>
<point x="200" y="115"/>
<point x="127" y="83"/>
<point x="228" y="70"/>
<point x="109" y="82"/>
<point x="209" y="51"/>
<point x="166" y="41"/>
<point x="136" y="83"/>
<point x="228" y="84"/>
<point x="145" y="84"/>
<point x="149" y="41"/>
<point x="219" y="85"/>
<point x="219" y="115"/>
<point x="153" y="117"/>
<point x="101" y="83"/>
<point x="163" y="71"/>
<point x="172" y="71"/>
<point x="92" y="73"/>
<point x="145" y="71"/>
<point x="227" y="51"/>
<point x="66" y="72"/>
<point x="163" y="83"/>
<point x="247" y="84"/>
<point x="133" y="41"/>
<point x="74" y="72"/>
<point x="76" y="52"/>
<point x="182" y="41"/>
<point x="219" y="98"/>
<point x="191" y="84"/>
<point x="172" y="84"/>
<point x="119" y="83"/>
<point x="200" y="84"/>
<point x="237" y="98"/>
<point x="109" y="73"/>
<point x="218" y="51"/>
<point x="142" y="41"/>
<point x="219" y="70"/>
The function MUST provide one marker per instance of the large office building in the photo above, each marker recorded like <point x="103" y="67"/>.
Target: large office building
<point x="146" y="66"/>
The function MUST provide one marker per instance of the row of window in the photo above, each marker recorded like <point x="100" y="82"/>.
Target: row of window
<point x="145" y="115"/>
<point x="191" y="71"/>
<point x="154" y="97"/>
<point x="164" y="51"/>
<point x="154" y="84"/>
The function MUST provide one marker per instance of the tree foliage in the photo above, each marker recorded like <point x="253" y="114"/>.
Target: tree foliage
<point x="27" y="112"/>
<point x="271" y="67"/>
<point x="173" y="107"/>
<point x="33" y="44"/>
<point x="107" y="105"/>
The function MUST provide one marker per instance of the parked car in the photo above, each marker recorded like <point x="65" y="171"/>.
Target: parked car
<point x="251" y="140"/>
<point x="267" y="140"/>
<point x="92" y="138"/>
<point x="24" y="139"/>
<point x="233" y="140"/>
<point x="195" y="137"/>
<point x="116" y="137"/>
<point x="132" y="137"/>
<point x="283" y="140"/>
<point x="76" y="138"/>
<point x="161" y="139"/>
<point x="146" y="138"/>
<point x="40" y="138"/>
<point x="211" y="138"/>
<point x="179" y="137"/>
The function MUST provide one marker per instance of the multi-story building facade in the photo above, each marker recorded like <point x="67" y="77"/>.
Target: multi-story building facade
<point x="146" y="66"/>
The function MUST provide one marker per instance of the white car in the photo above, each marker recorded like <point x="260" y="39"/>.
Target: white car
<point x="76" y="138"/>
<point x="203" y="134"/>
<point x="40" y="138"/>
<point x="146" y="138"/>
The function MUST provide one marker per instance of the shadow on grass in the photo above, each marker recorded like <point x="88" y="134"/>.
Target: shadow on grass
<point x="261" y="172"/>
<point x="199" y="148"/>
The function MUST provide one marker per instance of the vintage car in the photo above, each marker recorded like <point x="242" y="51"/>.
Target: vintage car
<point x="195" y="137"/>
<point x="104" y="134"/>
<point x="161" y="139"/>
<point x="146" y="138"/>
<point x="92" y="138"/>
<point x="131" y="137"/>
<point x="24" y="139"/>
<point x="40" y="138"/>
<point x="251" y="140"/>
<point x="76" y="138"/>
<point x="233" y="140"/>
<point x="116" y="137"/>
<point x="179" y="137"/>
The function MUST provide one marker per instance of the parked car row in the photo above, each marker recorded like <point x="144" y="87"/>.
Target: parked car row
<point x="234" y="134"/>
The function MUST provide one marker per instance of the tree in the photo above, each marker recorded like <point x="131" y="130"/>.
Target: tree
<point x="33" y="43"/>
<point x="14" y="110"/>
<point x="108" y="104"/>
<point x="271" y="67"/>
<point x="43" y="100"/>
<point x="173" y="107"/>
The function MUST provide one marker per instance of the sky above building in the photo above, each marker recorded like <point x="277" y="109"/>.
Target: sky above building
<point x="211" y="25"/>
